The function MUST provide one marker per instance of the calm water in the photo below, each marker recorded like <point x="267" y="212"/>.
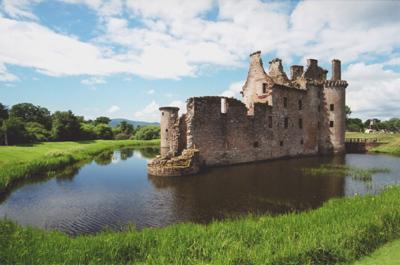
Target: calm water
<point x="114" y="190"/>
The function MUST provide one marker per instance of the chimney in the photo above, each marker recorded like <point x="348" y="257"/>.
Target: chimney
<point x="312" y="62"/>
<point x="296" y="71"/>
<point x="336" y="70"/>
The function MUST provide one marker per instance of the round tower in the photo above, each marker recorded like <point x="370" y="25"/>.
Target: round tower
<point x="335" y="114"/>
<point x="168" y="131"/>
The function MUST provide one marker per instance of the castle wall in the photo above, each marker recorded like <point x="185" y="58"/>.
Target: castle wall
<point x="236" y="137"/>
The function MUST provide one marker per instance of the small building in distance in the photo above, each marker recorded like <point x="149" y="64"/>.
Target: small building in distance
<point x="279" y="116"/>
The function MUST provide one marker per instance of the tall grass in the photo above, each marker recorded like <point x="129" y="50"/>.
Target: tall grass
<point x="341" y="231"/>
<point x="363" y="174"/>
<point x="21" y="162"/>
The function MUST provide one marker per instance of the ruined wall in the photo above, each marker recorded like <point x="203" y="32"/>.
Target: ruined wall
<point x="169" y="131"/>
<point x="235" y="137"/>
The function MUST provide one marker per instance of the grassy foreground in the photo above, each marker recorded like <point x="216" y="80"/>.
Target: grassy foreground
<point x="391" y="141"/>
<point x="389" y="254"/>
<point x="24" y="161"/>
<point x="339" y="232"/>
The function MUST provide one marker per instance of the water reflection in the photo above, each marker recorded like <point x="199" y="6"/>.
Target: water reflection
<point x="114" y="190"/>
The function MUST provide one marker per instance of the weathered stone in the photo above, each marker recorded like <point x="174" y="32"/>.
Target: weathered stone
<point x="277" y="118"/>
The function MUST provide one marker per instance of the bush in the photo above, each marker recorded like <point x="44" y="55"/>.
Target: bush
<point x="147" y="133"/>
<point x="122" y="136"/>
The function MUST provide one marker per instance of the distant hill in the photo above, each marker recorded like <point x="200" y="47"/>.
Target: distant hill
<point x="115" y="122"/>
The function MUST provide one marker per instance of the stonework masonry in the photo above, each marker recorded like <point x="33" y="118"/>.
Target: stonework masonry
<point x="279" y="117"/>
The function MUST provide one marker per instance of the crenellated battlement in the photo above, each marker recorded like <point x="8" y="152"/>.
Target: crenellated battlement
<point x="278" y="117"/>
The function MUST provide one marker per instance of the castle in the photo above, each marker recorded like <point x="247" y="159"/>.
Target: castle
<point x="279" y="117"/>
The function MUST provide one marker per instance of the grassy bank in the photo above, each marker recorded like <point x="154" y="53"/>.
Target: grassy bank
<point x="389" y="254"/>
<point x="20" y="162"/>
<point x="341" y="231"/>
<point x="391" y="142"/>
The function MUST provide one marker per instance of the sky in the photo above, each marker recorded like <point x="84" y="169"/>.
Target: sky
<point x="126" y="58"/>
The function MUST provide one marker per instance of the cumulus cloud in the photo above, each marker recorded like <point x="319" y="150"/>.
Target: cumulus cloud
<point x="234" y="90"/>
<point x="373" y="91"/>
<point x="19" y="8"/>
<point x="113" y="109"/>
<point x="151" y="112"/>
<point x="6" y="76"/>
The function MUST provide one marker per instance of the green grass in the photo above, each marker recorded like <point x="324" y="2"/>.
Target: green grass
<point x="340" y="232"/>
<point x="24" y="161"/>
<point x="389" y="254"/>
<point x="364" y="174"/>
<point x="391" y="142"/>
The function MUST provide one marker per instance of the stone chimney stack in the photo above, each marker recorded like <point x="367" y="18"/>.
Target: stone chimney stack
<point x="296" y="71"/>
<point x="336" y="70"/>
<point x="312" y="62"/>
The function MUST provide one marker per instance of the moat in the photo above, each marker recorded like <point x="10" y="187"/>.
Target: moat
<point x="114" y="190"/>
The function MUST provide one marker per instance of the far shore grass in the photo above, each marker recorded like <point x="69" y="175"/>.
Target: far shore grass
<point x="340" y="232"/>
<point x="23" y="161"/>
<point x="391" y="142"/>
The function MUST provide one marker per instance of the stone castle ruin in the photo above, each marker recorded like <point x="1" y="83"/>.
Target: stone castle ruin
<point x="280" y="116"/>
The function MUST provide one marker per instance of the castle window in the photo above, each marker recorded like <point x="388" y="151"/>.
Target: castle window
<point x="255" y="144"/>
<point x="285" y="102"/>
<point x="319" y="107"/>
<point x="300" y="104"/>
<point x="166" y="130"/>
<point x="281" y="143"/>
<point x="269" y="121"/>
<point x="286" y="122"/>
<point x="331" y="124"/>
<point x="332" y="107"/>
<point x="302" y="141"/>
<point x="264" y="88"/>
<point x="300" y="123"/>
<point x="319" y="125"/>
<point x="162" y="113"/>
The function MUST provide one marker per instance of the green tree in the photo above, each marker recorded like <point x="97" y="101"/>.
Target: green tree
<point x="103" y="131"/>
<point x="16" y="131"/>
<point x="87" y="131"/>
<point x="354" y="125"/>
<point x="37" y="132"/>
<point x="3" y="127"/>
<point x="126" y="127"/>
<point x="102" y="120"/>
<point x="28" y="112"/>
<point x="147" y="133"/>
<point x="347" y="110"/>
<point x="65" y="126"/>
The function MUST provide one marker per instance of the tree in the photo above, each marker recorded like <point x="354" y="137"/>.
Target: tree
<point x="28" y="112"/>
<point x="147" y="133"/>
<point x="347" y="110"/>
<point x="16" y="131"/>
<point x="37" y="132"/>
<point x="87" y="131"/>
<point x="126" y="127"/>
<point x="102" y="120"/>
<point x="3" y="127"/>
<point x="354" y="125"/>
<point x="65" y="126"/>
<point x="103" y="131"/>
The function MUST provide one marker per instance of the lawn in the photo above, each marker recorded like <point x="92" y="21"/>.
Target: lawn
<point x="23" y="161"/>
<point x="391" y="142"/>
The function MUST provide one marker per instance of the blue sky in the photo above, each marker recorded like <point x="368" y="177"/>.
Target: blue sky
<point x="124" y="59"/>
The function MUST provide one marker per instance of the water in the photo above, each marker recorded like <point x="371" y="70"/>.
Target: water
<point x="114" y="190"/>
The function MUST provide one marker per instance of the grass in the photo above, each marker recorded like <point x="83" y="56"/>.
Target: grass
<point x="389" y="254"/>
<point x="25" y="161"/>
<point x="343" y="170"/>
<point x="391" y="142"/>
<point x="340" y="232"/>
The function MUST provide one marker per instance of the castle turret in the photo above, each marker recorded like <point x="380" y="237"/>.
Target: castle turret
<point x="334" y="92"/>
<point x="169" y="131"/>
<point x="336" y="70"/>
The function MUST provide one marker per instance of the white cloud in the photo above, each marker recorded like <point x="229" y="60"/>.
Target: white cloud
<point x="373" y="91"/>
<point x="151" y="112"/>
<point x="92" y="81"/>
<point x="19" y="8"/>
<point x="113" y="109"/>
<point x="234" y="90"/>
<point x="6" y="76"/>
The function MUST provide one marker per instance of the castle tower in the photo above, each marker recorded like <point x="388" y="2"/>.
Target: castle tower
<point x="169" y="131"/>
<point x="334" y="92"/>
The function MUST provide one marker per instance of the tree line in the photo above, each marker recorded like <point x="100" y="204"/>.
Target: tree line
<point x="26" y="123"/>
<point x="357" y="125"/>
